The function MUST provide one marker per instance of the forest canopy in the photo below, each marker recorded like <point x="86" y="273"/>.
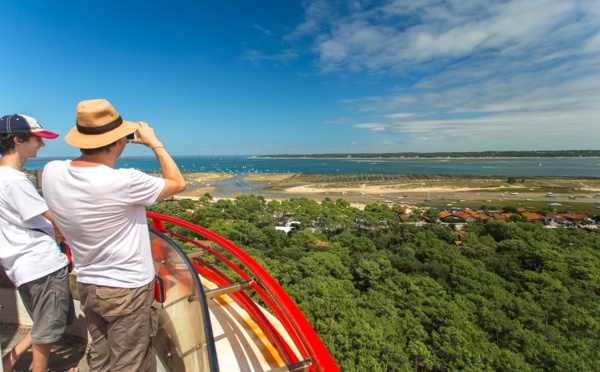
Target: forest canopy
<point x="386" y="295"/>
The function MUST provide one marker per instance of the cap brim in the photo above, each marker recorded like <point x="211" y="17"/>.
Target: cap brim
<point x="94" y="141"/>
<point x="44" y="134"/>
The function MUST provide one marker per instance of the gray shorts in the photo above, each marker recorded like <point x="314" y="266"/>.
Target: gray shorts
<point x="49" y="304"/>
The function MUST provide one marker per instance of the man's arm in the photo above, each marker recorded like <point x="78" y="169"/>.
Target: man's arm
<point x="49" y="217"/>
<point x="174" y="181"/>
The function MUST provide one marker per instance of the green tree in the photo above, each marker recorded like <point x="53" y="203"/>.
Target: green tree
<point x="389" y="296"/>
<point x="509" y="209"/>
<point x="432" y="215"/>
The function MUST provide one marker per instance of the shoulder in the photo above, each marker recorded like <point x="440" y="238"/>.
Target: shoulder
<point x="8" y="172"/>
<point x="12" y="178"/>
<point x="19" y="186"/>
<point x="56" y="164"/>
<point x="136" y="176"/>
<point x="131" y="172"/>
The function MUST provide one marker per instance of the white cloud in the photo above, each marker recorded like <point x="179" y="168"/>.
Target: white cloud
<point x="340" y="121"/>
<point x="374" y="127"/>
<point x="400" y="34"/>
<point x="593" y="44"/>
<point x="263" y="30"/>
<point x="255" y="56"/>
<point x="489" y="74"/>
<point x="400" y="115"/>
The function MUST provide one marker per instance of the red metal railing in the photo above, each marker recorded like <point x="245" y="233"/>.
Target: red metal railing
<point x="285" y="310"/>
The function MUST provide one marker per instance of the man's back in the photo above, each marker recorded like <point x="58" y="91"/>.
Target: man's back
<point x="100" y="210"/>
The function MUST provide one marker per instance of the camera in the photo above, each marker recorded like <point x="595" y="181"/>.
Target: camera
<point x="132" y="136"/>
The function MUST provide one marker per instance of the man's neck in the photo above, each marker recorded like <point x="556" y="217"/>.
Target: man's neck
<point x="12" y="160"/>
<point x="94" y="160"/>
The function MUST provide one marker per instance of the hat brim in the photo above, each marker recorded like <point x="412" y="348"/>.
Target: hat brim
<point x="44" y="134"/>
<point x="93" y="141"/>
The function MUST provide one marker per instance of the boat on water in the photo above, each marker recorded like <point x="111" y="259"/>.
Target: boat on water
<point x="209" y="318"/>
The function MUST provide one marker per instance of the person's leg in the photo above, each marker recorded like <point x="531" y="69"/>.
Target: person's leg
<point x="130" y="330"/>
<point x="97" y="327"/>
<point x="40" y="352"/>
<point x="50" y="301"/>
<point x="41" y="355"/>
<point x="9" y="360"/>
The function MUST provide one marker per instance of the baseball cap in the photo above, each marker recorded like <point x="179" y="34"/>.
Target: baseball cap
<point x="15" y="124"/>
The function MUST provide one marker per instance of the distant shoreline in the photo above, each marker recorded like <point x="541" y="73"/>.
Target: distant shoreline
<point x="446" y="155"/>
<point x="437" y="156"/>
<point x="426" y="190"/>
<point x="422" y="157"/>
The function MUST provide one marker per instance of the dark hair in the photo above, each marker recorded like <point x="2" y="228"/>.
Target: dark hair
<point x="7" y="143"/>
<point x="98" y="149"/>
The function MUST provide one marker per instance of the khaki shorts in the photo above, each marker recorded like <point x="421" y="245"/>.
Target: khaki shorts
<point x="49" y="304"/>
<point x="122" y="322"/>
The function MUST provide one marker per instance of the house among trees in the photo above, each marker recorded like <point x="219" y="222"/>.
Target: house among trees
<point x="531" y="216"/>
<point x="551" y="219"/>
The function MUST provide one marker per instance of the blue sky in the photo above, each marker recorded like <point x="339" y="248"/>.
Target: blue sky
<point x="261" y="77"/>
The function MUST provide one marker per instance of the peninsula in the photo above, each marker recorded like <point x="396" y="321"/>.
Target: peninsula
<point x="469" y="154"/>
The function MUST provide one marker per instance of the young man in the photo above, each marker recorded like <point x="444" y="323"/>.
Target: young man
<point x="101" y="212"/>
<point x="28" y="251"/>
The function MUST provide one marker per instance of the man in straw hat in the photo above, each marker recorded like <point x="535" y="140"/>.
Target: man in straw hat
<point x="29" y="254"/>
<point x="101" y="212"/>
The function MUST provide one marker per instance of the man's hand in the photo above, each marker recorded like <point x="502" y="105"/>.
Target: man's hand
<point x="146" y="136"/>
<point x="174" y="181"/>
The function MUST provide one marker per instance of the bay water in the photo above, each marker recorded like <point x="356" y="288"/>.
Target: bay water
<point x="563" y="167"/>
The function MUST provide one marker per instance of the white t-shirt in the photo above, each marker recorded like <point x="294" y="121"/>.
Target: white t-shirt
<point x="101" y="212"/>
<point x="25" y="254"/>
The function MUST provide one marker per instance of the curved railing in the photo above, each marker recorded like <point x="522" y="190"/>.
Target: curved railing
<point x="314" y="356"/>
<point x="184" y="340"/>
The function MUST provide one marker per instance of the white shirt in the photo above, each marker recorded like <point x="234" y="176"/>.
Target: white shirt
<point x="101" y="212"/>
<point x="25" y="254"/>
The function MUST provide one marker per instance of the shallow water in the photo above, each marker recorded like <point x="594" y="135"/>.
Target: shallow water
<point x="566" y="167"/>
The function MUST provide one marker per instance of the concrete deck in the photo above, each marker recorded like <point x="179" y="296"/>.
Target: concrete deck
<point x="70" y="352"/>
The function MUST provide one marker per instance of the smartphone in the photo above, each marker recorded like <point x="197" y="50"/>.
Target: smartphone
<point x="132" y="136"/>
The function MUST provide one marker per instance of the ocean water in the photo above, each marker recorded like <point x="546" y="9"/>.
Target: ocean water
<point x="568" y="167"/>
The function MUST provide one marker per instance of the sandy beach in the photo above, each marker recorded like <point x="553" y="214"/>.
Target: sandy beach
<point x="392" y="189"/>
<point x="201" y="183"/>
<point x="438" y="191"/>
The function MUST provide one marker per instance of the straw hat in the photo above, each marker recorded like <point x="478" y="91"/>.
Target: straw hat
<point x="98" y="124"/>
